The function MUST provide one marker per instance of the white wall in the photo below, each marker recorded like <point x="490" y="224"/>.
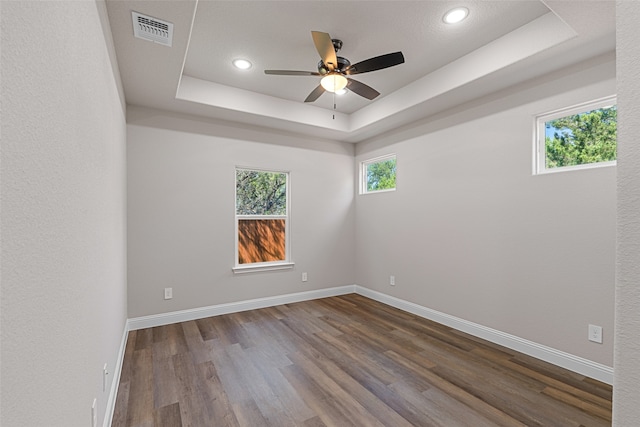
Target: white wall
<point x="181" y="201"/>
<point x="471" y="233"/>
<point x="63" y="212"/>
<point x="626" y="411"/>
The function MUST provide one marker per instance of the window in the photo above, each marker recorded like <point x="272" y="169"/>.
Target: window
<point x="378" y="174"/>
<point x="262" y="220"/>
<point x="579" y="137"/>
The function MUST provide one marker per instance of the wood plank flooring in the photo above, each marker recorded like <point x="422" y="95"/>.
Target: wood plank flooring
<point x="342" y="361"/>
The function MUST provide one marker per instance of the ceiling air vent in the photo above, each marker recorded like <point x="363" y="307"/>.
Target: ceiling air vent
<point x="152" y="29"/>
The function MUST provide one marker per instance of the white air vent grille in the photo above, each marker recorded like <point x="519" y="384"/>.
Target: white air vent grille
<point x="152" y="29"/>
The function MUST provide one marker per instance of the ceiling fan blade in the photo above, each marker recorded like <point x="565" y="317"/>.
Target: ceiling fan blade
<point x="315" y="94"/>
<point x="325" y="48"/>
<point x="362" y="89"/>
<point x="376" y="63"/>
<point x="291" y="73"/>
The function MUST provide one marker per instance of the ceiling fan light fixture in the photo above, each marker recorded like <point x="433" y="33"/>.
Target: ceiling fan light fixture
<point x="341" y="91"/>
<point x="242" y="64"/>
<point x="455" y="15"/>
<point x="334" y="82"/>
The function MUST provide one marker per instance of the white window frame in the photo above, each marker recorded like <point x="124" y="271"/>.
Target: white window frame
<point x="363" y="173"/>
<point x="270" y="265"/>
<point x="539" y="144"/>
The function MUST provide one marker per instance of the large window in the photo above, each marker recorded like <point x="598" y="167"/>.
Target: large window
<point x="378" y="174"/>
<point x="579" y="137"/>
<point x="262" y="220"/>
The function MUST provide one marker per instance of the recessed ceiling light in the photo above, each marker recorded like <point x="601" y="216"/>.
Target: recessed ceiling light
<point x="455" y="15"/>
<point x="242" y="64"/>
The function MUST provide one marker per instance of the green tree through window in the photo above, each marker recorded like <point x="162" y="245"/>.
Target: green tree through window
<point x="584" y="138"/>
<point x="380" y="175"/>
<point x="261" y="193"/>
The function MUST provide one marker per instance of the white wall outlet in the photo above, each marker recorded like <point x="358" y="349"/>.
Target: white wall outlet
<point x="94" y="413"/>
<point x="304" y="277"/>
<point x="168" y="293"/>
<point x="105" y="381"/>
<point x="392" y="280"/>
<point x="595" y="333"/>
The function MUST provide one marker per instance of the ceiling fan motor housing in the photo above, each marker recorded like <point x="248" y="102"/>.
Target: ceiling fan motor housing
<point x="343" y="63"/>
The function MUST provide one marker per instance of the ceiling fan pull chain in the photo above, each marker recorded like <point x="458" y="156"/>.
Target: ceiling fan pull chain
<point x="334" y="105"/>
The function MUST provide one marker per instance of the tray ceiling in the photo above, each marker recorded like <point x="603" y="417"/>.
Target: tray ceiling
<point x="501" y="43"/>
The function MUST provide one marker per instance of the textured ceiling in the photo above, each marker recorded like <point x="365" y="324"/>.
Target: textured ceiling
<point x="501" y="43"/>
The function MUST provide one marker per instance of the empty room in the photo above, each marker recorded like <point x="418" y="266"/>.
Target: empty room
<point x="319" y="213"/>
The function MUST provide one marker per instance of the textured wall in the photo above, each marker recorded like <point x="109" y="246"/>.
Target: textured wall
<point x="472" y="233"/>
<point x="181" y="204"/>
<point x="63" y="213"/>
<point x="626" y="411"/>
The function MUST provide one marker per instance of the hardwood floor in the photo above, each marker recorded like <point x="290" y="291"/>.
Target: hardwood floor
<point x="342" y="361"/>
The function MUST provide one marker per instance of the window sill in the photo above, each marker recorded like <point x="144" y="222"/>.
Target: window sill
<point x="386" y="190"/>
<point x="263" y="267"/>
<point x="577" y="167"/>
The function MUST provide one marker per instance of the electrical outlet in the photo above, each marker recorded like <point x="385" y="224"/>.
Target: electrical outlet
<point x="392" y="280"/>
<point x="168" y="293"/>
<point x="105" y="372"/>
<point x="94" y="413"/>
<point x="304" y="277"/>
<point x="595" y="333"/>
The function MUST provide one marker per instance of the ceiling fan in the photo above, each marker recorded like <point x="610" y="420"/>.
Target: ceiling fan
<point x="336" y="69"/>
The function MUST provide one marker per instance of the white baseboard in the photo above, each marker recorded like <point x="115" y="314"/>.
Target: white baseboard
<point x="565" y="360"/>
<point x="234" y="307"/>
<point x="117" y="370"/>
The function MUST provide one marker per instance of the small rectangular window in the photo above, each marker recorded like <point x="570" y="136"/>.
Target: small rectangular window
<point x="378" y="174"/>
<point x="579" y="137"/>
<point x="262" y="219"/>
